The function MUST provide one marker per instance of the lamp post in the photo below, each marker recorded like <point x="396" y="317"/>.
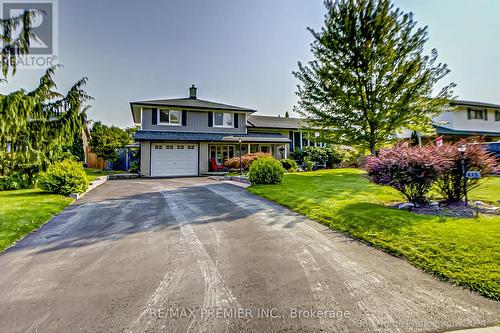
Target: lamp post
<point x="462" y="150"/>
<point x="241" y="164"/>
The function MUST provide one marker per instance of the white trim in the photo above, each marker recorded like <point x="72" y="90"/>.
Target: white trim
<point x="223" y="126"/>
<point x="169" y="123"/>
<point x="141" y="116"/>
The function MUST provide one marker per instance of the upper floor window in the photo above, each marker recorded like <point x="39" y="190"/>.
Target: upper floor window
<point x="476" y="114"/>
<point x="223" y="119"/>
<point x="169" y="117"/>
<point x="497" y="115"/>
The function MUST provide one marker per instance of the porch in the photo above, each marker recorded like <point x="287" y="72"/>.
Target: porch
<point x="218" y="153"/>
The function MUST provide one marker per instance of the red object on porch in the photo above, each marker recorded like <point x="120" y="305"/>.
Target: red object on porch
<point x="214" y="166"/>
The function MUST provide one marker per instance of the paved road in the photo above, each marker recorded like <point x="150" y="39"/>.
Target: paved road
<point x="189" y="255"/>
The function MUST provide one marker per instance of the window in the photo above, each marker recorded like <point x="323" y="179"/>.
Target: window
<point x="475" y="114"/>
<point x="223" y="119"/>
<point x="158" y="146"/>
<point x="296" y="140"/>
<point x="221" y="153"/>
<point x="497" y="115"/>
<point x="169" y="117"/>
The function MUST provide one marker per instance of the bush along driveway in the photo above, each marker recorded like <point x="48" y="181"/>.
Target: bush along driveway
<point x="22" y="211"/>
<point x="463" y="251"/>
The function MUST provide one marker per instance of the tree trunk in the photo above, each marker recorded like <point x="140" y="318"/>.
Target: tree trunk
<point x="373" y="151"/>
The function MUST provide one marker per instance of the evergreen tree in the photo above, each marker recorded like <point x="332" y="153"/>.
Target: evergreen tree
<point x="369" y="78"/>
<point x="287" y="115"/>
<point x="34" y="125"/>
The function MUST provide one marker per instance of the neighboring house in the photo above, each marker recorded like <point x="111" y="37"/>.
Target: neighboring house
<point x="188" y="136"/>
<point x="467" y="119"/>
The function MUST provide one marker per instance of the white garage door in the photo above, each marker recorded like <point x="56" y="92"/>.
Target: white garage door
<point x="174" y="159"/>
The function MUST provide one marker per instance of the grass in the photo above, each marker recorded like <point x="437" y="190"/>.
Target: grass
<point x="92" y="174"/>
<point x="463" y="251"/>
<point x="489" y="191"/>
<point x="22" y="211"/>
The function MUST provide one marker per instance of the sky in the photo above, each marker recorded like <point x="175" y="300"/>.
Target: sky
<point x="238" y="52"/>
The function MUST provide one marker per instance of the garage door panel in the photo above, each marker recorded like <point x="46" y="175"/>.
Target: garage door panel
<point x="179" y="159"/>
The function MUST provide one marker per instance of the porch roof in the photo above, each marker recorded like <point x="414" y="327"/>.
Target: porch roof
<point x="209" y="137"/>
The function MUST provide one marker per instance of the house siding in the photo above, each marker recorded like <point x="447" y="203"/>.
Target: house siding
<point x="145" y="159"/>
<point x="203" y="162"/>
<point x="460" y="121"/>
<point x="197" y="121"/>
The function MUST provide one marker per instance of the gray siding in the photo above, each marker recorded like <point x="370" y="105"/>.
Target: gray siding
<point x="197" y="121"/>
<point x="145" y="158"/>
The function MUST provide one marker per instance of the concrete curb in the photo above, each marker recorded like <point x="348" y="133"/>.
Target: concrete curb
<point x="231" y="178"/>
<point x="93" y="184"/>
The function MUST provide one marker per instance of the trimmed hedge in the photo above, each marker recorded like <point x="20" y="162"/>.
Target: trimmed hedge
<point x="65" y="177"/>
<point x="266" y="170"/>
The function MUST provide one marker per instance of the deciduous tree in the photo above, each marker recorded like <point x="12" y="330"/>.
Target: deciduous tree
<point x="370" y="78"/>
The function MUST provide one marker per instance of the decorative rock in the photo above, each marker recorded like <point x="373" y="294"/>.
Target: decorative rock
<point x="406" y="205"/>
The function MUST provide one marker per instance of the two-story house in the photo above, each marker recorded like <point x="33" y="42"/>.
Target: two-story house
<point x="186" y="136"/>
<point x="466" y="118"/>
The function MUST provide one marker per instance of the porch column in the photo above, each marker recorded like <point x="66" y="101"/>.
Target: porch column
<point x="300" y="139"/>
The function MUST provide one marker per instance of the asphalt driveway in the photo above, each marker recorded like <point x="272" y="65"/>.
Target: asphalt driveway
<point x="195" y="255"/>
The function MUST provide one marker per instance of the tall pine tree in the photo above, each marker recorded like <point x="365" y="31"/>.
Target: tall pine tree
<point x="369" y="78"/>
<point x="34" y="125"/>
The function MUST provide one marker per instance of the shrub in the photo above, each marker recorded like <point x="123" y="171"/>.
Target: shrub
<point x="64" y="177"/>
<point x="266" y="171"/>
<point x="349" y="157"/>
<point x="289" y="164"/>
<point x="134" y="167"/>
<point x="410" y="170"/>
<point x="315" y="154"/>
<point x="15" y="181"/>
<point x="330" y="156"/>
<point x="246" y="160"/>
<point x="450" y="182"/>
<point x="308" y="165"/>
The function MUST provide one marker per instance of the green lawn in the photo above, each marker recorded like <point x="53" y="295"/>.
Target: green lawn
<point x="25" y="210"/>
<point x="489" y="191"/>
<point x="92" y="174"/>
<point x="465" y="251"/>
